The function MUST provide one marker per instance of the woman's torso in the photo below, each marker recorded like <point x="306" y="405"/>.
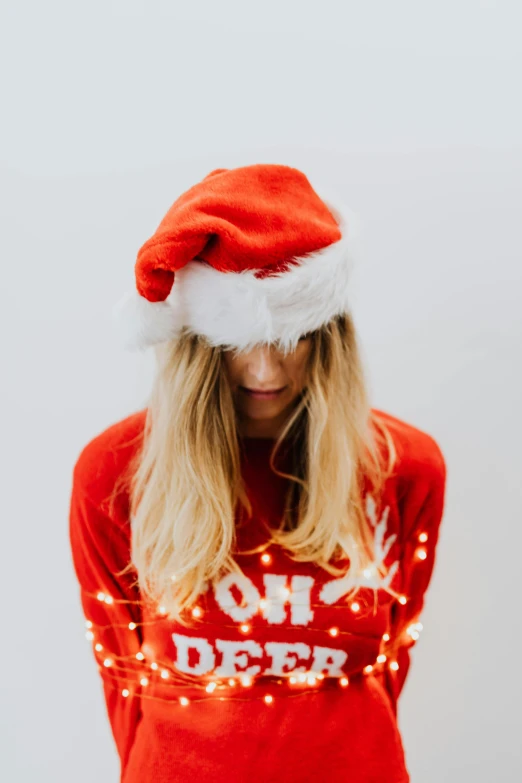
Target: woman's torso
<point x="340" y="728"/>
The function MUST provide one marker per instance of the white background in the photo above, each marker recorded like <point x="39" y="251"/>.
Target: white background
<point x="411" y="112"/>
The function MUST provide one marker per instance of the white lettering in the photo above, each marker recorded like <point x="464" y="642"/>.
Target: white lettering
<point x="278" y="595"/>
<point x="330" y="659"/>
<point x="237" y="657"/>
<point x="229" y="605"/>
<point x="236" y="654"/>
<point x="281" y="653"/>
<point x="207" y="660"/>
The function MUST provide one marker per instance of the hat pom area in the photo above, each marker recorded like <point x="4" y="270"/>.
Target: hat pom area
<point x="248" y="256"/>
<point x="140" y="324"/>
<point x="238" y="309"/>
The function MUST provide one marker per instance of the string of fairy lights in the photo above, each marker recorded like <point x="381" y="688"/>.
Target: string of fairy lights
<point x="135" y="673"/>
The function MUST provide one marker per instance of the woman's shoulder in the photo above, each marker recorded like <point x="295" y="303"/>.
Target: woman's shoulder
<point x="419" y="454"/>
<point x="106" y="455"/>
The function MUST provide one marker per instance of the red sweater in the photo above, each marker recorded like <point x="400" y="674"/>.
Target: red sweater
<point x="261" y="638"/>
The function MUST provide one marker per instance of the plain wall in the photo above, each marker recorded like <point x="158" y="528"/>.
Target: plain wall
<point x="409" y="111"/>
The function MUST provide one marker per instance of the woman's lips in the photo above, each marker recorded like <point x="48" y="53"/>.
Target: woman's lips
<point x="261" y="395"/>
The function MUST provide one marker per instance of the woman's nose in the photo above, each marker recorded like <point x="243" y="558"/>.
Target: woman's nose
<point x="264" y="364"/>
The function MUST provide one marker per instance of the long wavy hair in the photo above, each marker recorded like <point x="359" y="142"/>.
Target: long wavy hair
<point x="185" y="484"/>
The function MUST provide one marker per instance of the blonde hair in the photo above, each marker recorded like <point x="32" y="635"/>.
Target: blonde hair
<point x="185" y="481"/>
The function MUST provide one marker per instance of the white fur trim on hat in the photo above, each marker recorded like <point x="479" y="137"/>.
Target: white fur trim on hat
<point x="238" y="310"/>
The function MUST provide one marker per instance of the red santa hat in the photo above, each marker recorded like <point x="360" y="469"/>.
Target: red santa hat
<point x="246" y="256"/>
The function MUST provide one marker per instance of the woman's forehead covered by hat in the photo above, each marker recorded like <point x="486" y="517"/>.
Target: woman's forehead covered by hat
<point x="276" y="261"/>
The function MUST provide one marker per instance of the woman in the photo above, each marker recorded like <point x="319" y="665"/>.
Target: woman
<point x="253" y="547"/>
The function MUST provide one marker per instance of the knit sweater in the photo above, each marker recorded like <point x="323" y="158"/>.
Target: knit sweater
<point x="278" y="677"/>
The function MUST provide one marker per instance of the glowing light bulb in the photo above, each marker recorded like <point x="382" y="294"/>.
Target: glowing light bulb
<point x="98" y="647"/>
<point x="245" y="628"/>
<point x="414" y="629"/>
<point x="369" y="572"/>
<point x="311" y="680"/>
<point x="355" y="607"/>
<point x="266" y="558"/>
<point x="293" y="680"/>
<point x="246" y="681"/>
<point x="125" y="692"/>
<point x="268" y="698"/>
<point x="386" y="637"/>
<point x="162" y="610"/>
<point x="301" y="677"/>
<point x="154" y="665"/>
<point x="394" y="665"/>
<point x="89" y="635"/>
<point x="320" y="676"/>
<point x="381" y="658"/>
<point x="184" y="701"/>
<point x="164" y="673"/>
<point x="88" y="624"/>
<point x="132" y="626"/>
<point x="211" y="687"/>
<point x="196" y="612"/>
<point x="343" y="682"/>
<point x="402" y="599"/>
<point x="109" y="599"/>
<point x="333" y="631"/>
<point x="101" y="596"/>
<point x="368" y="669"/>
<point x="231" y="682"/>
<point x="423" y="537"/>
<point x="140" y="656"/>
<point x="421" y="553"/>
<point x="144" y="681"/>
<point x="108" y="662"/>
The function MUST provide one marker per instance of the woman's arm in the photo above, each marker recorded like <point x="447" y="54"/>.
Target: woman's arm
<point x="422" y="512"/>
<point x="111" y="605"/>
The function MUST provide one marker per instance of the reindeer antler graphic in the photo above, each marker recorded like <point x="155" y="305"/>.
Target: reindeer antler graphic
<point x="370" y="577"/>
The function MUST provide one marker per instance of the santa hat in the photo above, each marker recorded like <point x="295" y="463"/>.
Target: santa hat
<point x="246" y="256"/>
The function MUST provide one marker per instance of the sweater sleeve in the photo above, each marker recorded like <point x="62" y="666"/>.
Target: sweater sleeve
<point x="112" y="610"/>
<point x="422" y="512"/>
